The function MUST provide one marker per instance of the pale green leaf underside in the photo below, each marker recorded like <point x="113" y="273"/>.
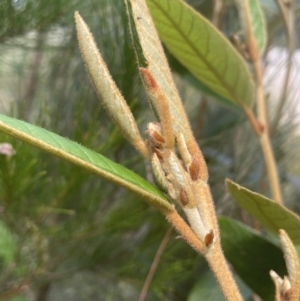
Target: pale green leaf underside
<point x="203" y="50"/>
<point x="258" y="24"/>
<point x="85" y="158"/>
<point x="269" y="213"/>
<point x="157" y="63"/>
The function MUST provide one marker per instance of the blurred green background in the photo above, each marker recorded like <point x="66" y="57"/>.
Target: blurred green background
<point x="68" y="235"/>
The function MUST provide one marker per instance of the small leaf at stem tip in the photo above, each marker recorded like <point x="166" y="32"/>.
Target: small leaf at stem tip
<point x="154" y="132"/>
<point x="158" y="65"/>
<point x="106" y="88"/>
<point x="161" y="103"/>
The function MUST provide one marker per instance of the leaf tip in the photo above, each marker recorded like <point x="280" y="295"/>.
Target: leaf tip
<point x="77" y="17"/>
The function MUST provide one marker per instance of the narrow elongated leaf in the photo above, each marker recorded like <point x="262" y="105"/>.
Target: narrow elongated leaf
<point x="269" y="213"/>
<point x="85" y="158"/>
<point x="252" y="256"/>
<point x="145" y="36"/>
<point x="201" y="48"/>
<point x="106" y="88"/>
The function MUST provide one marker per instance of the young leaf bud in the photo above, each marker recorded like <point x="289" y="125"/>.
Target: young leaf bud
<point x="196" y="222"/>
<point x="155" y="135"/>
<point x="106" y="88"/>
<point x="209" y="238"/>
<point x="183" y="150"/>
<point x="194" y="168"/>
<point x="161" y="102"/>
<point x="286" y="289"/>
<point x="183" y="198"/>
<point x="158" y="172"/>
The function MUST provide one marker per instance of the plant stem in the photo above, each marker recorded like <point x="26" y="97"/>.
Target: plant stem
<point x="184" y="230"/>
<point x="214" y="256"/>
<point x="219" y="267"/>
<point x="264" y="137"/>
<point x="200" y="118"/>
<point x="262" y="112"/>
<point x="155" y="262"/>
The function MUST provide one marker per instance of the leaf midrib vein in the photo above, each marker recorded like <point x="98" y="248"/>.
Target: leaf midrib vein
<point x="209" y="66"/>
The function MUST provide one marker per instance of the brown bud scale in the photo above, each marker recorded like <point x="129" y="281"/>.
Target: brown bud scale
<point x="183" y="197"/>
<point x="287" y="295"/>
<point x="156" y="138"/>
<point x="158" y="152"/>
<point x="194" y="168"/>
<point x="209" y="238"/>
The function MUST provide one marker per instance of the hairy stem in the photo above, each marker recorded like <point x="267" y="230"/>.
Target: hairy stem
<point x="219" y="267"/>
<point x="185" y="231"/>
<point x="214" y="257"/>
<point x="265" y="138"/>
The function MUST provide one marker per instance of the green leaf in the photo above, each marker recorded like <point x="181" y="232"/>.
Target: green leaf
<point x="257" y="21"/>
<point x="142" y="61"/>
<point x="252" y="256"/>
<point x="85" y="158"/>
<point x="202" y="49"/>
<point x="269" y="213"/>
<point x="8" y="245"/>
<point x="258" y="24"/>
<point x="208" y="289"/>
<point x="177" y="67"/>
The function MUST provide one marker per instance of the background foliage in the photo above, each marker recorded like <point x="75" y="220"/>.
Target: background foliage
<point x="68" y="235"/>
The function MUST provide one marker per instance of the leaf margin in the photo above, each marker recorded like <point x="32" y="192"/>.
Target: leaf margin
<point x="233" y="187"/>
<point x="148" y="193"/>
